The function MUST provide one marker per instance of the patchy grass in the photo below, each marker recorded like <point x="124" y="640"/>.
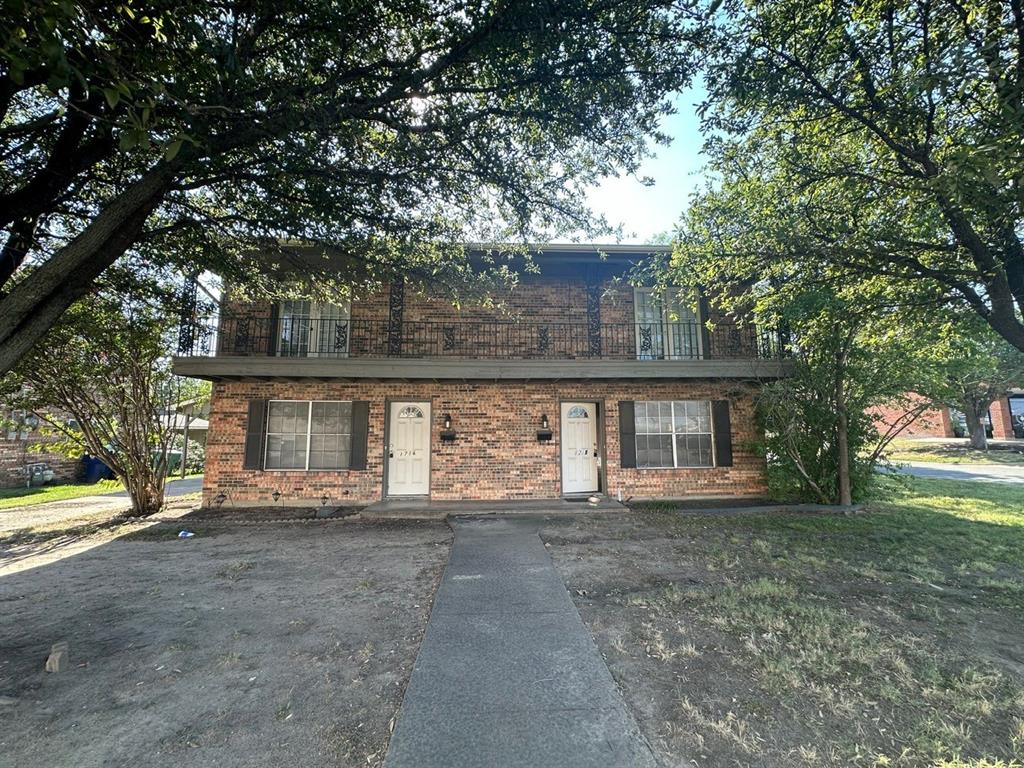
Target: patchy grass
<point x="955" y="452"/>
<point x="14" y="498"/>
<point x="11" y="498"/>
<point x="891" y="638"/>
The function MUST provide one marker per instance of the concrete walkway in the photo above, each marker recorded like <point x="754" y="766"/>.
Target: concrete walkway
<point x="989" y="473"/>
<point x="508" y="676"/>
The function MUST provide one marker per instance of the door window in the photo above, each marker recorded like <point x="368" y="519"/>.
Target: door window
<point x="666" y="329"/>
<point x="313" y="329"/>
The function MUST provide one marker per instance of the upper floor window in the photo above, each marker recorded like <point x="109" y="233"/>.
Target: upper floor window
<point x="303" y="434"/>
<point x="673" y="433"/>
<point x="313" y="329"/>
<point x="666" y="329"/>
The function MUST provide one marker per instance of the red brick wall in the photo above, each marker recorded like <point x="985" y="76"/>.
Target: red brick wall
<point x="16" y="454"/>
<point x="533" y="301"/>
<point x="496" y="455"/>
<point x="931" y="423"/>
<point x="1002" y="427"/>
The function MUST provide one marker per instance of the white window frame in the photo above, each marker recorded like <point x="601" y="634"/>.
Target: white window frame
<point x="318" y="311"/>
<point x="667" y="304"/>
<point x="309" y="437"/>
<point x="675" y="452"/>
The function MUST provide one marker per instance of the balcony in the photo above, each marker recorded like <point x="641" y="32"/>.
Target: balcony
<point x="342" y="347"/>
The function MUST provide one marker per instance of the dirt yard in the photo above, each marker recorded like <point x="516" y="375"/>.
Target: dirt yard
<point x="892" y="638"/>
<point x="245" y="646"/>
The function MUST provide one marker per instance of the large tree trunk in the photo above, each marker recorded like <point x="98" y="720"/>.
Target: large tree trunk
<point x="33" y="305"/>
<point x="146" y="490"/>
<point x="845" y="490"/>
<point x="843" y="449"/>
<point x="975" y="417"/>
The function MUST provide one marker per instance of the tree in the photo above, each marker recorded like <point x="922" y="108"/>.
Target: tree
<point x="854" y="345"/>
<point x="877" y="139"/>
<point x="979" y="368"/>
<point x="200" y="133"/>
<point x="105" y="366"/>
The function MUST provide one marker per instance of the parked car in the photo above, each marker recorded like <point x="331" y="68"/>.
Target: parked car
<point x="39" y="474"/>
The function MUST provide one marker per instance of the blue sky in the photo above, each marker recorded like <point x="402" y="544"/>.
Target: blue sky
<point x="643" y="211"/>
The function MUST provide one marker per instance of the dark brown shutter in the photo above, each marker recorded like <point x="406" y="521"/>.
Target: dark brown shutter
<point x="627" y="435"/>
<point x="273" y="328"/>
<point x="360" y="433"/>
<point x="703" y="315"/>
<point x="723" y="433"/>
<point x="255" y="431"/>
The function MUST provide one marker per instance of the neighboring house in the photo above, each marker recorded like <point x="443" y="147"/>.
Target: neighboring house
<point x="580" y="385"/>
<point x="23" y="447"/>
<point x="1004" y="421"/>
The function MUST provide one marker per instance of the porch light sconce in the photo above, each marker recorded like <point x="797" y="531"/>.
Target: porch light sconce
<point x="544" y="433"/>
<point x="448" y="434"/>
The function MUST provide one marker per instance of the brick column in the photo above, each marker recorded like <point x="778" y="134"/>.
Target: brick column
<point x="946" y="423"/>
<point x="1002" y="428"/>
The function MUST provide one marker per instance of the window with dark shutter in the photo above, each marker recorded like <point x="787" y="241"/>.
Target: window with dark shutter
<point x="255" y="429"/>
<point x="627" y="435"/>
<point x="723" y="433"/>
<point x="360" y="433"/>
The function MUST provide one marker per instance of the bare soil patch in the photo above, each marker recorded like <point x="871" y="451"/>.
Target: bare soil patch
<point x="244" y="646"/>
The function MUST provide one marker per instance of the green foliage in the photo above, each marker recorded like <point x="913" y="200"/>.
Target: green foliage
<point x="874" y="139"/>
<point x="386" y="132"/>
<point x="101" y="381"/>
<point x="845" y="361"/>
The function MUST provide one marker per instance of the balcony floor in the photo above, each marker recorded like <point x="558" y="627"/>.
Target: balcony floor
<point x="405" y="369"/>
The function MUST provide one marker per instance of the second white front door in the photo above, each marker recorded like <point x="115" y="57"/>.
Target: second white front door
<point x="579" y="448"/>
<point x="408" y="449"/>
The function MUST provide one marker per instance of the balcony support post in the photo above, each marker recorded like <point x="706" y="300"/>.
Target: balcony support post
<point x="396" y="312"/>
<point x="594" y="319"/>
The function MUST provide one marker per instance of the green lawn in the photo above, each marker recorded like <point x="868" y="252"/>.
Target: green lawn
<point x="888" y="638"/>
<point x="952" y="453"/>
<point x="11" y="498"/>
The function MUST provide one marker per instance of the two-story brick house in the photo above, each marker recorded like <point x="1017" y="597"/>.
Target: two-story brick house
<point x="577" y="384"/>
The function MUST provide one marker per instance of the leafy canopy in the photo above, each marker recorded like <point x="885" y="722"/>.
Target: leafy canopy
<point x="875" y="139"/>
<point x="201" y="133"/>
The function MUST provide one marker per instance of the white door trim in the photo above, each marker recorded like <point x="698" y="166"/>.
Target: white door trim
<point x="579" y="451"/>
<point x="408" y="474"/>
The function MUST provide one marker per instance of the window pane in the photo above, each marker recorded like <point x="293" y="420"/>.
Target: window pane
<point x="664" y="450"/>
<point x="694" y="450"/>
<point x="704" y="416"/>
<point x="286" y="452"/>
<point x="332" y="418"/>
<point x="330" y="435"/>
<point x="651" y="422"/>
<point x="665" y="420"/>
<point x="286" y="435"/>
<point x="639" y="416"/>
<point x="642" y="457"/>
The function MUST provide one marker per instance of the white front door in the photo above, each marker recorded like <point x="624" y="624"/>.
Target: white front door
<point x="409" y="449"/>
<point x="579" y="448"/>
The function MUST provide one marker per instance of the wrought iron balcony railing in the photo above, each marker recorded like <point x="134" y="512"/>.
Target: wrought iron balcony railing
<point x="342" y="337"/>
